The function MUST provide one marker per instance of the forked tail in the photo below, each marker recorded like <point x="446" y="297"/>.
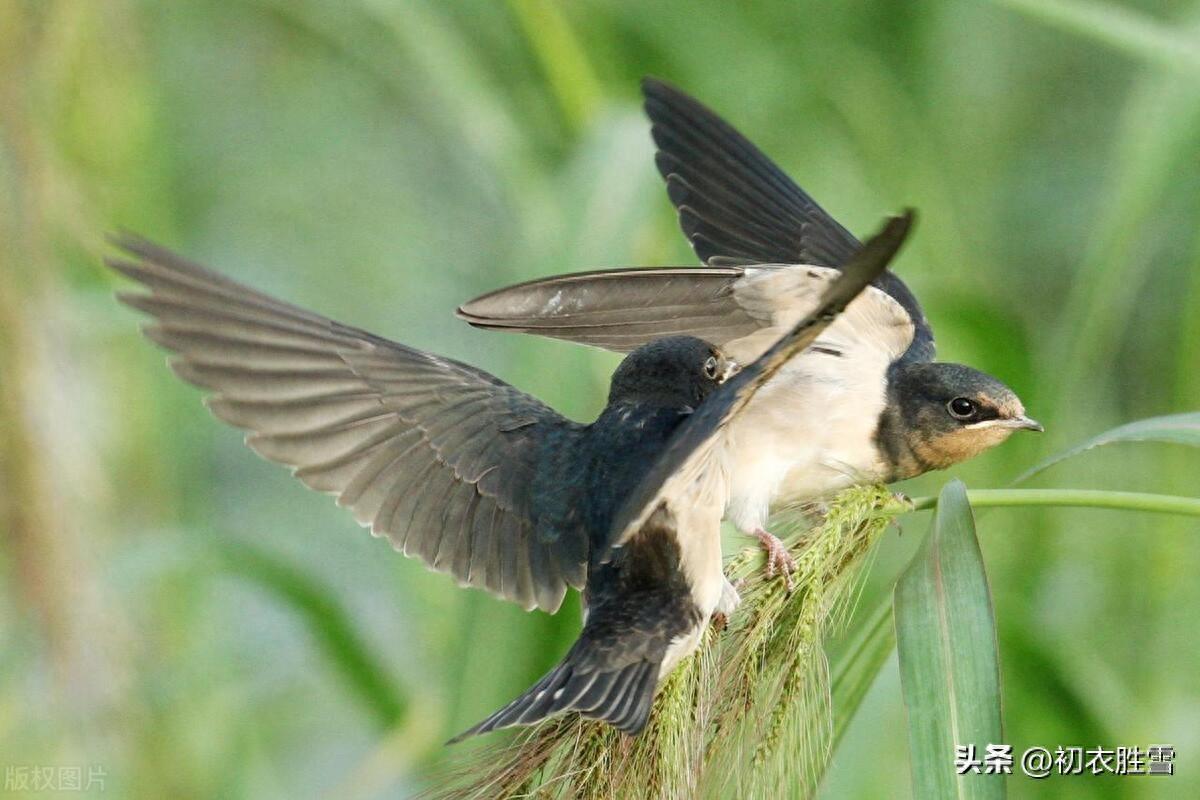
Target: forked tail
<point x="621" y="697"/>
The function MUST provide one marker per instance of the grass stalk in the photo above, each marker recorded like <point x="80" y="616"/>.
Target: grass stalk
<point x="747" y="713"/>
<point x="1079" y="498"/>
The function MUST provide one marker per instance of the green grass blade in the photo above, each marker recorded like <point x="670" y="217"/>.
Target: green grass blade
<point x="855" y="672"/>
<point x="563" y="59"/>
<point x="1123" y="29"/>
<point x="949" y="665"/>
<point x="1173" y="429"/>
<point x="330" y="626"/>
<point x="1074" y="498"/>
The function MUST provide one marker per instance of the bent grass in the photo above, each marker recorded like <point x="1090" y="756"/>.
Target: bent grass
<point x="748" y="711"/>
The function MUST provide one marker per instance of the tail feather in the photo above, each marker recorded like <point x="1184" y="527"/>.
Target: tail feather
<point x="622" y="697"/>
<point x="636" y="708"/>
<point x="640" y="607"/>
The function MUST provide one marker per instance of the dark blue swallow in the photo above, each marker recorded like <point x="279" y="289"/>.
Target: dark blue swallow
<point x="454" y="466"/>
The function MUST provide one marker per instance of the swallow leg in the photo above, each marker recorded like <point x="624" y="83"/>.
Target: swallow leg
<point x="730" y="600"/>
<point x="778" y="558"/>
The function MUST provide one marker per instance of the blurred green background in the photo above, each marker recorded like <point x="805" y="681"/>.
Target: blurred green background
<point x="188" y="617"/>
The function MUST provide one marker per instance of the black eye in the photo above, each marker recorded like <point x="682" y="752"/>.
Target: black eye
<point x="710" y="367"/>
<point x="962" y="408"/>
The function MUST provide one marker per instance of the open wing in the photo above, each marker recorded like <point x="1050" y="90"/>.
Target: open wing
<point x="741" y="309"/>
<point x="432" y="453"/>
<point x="737" y="207"/>
<point x="688" y="453"/>
<point x="621" y="309"/>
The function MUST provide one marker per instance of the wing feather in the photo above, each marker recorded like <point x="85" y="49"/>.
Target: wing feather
<point x="432" y="453"/>
<point x="736" y="205"/>
<point x="724" y="179"/>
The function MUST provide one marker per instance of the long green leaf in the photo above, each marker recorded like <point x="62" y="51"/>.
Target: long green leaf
<point x="330" y="626"/>
<point x="1173" y="429"/>
<point x="859" y="666"/>
<point x="1124" y="29"/>
<point x="855" y="672"/>
<point x="949" y="665"/>
<point x="1078" y="498"/>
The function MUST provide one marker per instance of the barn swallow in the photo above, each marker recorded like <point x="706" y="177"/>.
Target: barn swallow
<point x="657" y="574"/>
<point x="865" y="403"/>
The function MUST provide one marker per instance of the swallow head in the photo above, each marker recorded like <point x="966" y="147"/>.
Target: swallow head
<point x="673" y="372"/>
<point x="942" y="414"/>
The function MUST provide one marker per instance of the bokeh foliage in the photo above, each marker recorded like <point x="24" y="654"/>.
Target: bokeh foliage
<point x="186" y="615"/>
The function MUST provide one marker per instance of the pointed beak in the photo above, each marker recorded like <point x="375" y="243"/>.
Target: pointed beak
<point x="731" y="368"/>
<point x="1024" y="423"/>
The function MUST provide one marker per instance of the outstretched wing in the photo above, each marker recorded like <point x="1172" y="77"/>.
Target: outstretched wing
<point x="742" y="310"/>
<point x="432" y="453"/>
<point x="737" y="207"/>
<point x="621" y="309"/>
<point x="688" y="454"/>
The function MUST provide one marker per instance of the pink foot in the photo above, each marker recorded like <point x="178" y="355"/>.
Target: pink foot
<point x="778" y="558"/>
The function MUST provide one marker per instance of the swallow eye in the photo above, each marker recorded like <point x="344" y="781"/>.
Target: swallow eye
<point x="710" y="368"/>
<point x="962" y="408"/>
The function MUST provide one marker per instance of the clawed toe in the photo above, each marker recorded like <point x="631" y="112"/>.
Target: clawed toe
<point x="778" y="558"/>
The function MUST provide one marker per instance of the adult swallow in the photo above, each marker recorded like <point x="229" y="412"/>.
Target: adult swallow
<point x="865" y="403"/>
<point x="657" y="574"/>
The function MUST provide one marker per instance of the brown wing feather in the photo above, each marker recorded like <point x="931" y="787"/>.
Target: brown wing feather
<point x="432" y="453"/>
<point x="620" y="309"/>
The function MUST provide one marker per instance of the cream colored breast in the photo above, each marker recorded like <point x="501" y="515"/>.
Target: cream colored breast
<point x="808" y="433"/>
<point x="811" y="430"/>
<point x="698" y="523"/>
<point x="697" y="514"/>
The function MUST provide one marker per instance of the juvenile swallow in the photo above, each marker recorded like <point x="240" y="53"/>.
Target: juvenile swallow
<point x="865" y="403"/>
<point x="466" y="472"/>
<point x="657" y="573"/>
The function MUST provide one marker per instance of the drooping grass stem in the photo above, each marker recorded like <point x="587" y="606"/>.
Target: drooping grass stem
<point x="1082" y="498"/>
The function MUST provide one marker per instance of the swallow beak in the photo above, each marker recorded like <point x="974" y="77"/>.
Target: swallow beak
<point x="731" y="368"/>
<point x="1023" y="423"/>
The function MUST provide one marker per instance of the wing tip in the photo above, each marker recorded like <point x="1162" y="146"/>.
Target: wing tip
<point x="873" y="258"/>
<point x="904" y="220"/>
<point x="136" y="245"/>
<point x="656" y="89"/>
<point x="654" y="86"/>
<point x="487" y="322"/>
<point x="124" y="239"/>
